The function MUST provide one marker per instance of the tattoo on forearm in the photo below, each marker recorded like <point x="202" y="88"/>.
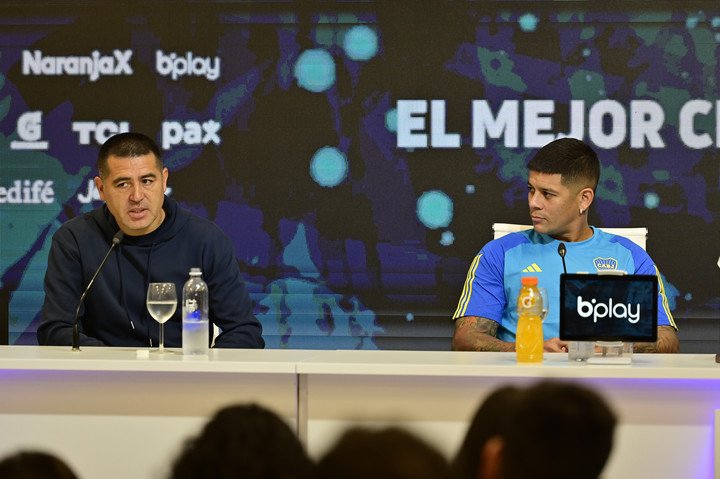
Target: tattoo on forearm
<point x="478" y="334"/>
<point x="667" y="342"/>
<point x="487" y="326"/>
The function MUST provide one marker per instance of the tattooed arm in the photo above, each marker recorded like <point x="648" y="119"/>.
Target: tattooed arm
<point x="667" y="342"/>
<point x="473" y="333"/>
<point x="478" y="334"/>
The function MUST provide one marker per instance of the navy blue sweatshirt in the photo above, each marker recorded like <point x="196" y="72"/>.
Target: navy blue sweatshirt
<point x="114" y="312"/>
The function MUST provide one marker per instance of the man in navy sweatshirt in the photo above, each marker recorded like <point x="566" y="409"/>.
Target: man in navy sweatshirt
<point x="162" y="242"/>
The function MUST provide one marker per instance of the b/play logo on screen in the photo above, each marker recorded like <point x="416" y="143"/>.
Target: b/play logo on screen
<point x="598" y="309"/>
<point x="29" y="130"/>
<point x="93" y="66"/>
<point x="176" y="66"/>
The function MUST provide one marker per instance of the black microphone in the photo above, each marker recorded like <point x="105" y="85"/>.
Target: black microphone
<point x="76" y="330"/>
<point x="561" y="251"/>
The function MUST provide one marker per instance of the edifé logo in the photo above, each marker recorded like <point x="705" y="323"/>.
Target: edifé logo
<point x="31" y="192"/>
<point x="596" y="310"/>
<point x="190" y="133"/>
<point x="177" y="66"/>
<point x="100" y="131"/>
<point x="94" y="65"/>
<point x="29" y="129"/>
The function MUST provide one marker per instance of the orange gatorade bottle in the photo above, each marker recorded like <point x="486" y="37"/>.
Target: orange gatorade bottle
<point x="529" y="335"/>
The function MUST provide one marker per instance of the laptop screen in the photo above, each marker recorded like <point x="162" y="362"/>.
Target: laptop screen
<point x="608" y="307"/>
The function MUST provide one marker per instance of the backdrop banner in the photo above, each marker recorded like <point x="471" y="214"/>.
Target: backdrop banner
<point x="358" y="153"/>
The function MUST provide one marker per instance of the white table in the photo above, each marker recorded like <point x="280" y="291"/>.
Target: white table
<point x="110" y="413"/>
<point x="666" y="403"/>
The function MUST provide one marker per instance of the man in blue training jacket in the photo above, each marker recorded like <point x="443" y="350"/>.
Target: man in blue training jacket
<point x="161" y="242"/>
<point x="562" y="179"/>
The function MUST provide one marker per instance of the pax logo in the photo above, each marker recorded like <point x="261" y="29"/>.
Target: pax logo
<point x="29" y="129"/>
<point x="595" y="309"/>
<point x="93" y="66"/>
<point x="100" y="132"/>
<point x="190" y="133"/>
<point x="176" y="66"/>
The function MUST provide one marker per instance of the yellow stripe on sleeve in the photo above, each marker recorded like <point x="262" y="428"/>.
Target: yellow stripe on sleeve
<point x="665" y="304"/>
<point x="467" y="289"/>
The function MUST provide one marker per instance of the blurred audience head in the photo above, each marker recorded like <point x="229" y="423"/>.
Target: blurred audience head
<point x="484" y="433"/>
<point x="536" y="432"/>
<point x="245" y="441"/>
<point x="34" y="465"/>
<point x="390" y="453"/>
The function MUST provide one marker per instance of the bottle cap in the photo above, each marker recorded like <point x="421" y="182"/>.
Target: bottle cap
<point x="529" y="281"/>
<point x="194" y="271"/>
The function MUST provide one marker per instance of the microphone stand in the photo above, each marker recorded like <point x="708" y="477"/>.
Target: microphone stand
<point x="76" y="324"/>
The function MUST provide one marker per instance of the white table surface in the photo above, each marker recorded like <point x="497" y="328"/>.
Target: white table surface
<point x="99" y="406"/>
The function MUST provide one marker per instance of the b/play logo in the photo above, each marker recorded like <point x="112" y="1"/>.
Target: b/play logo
<point x="29" y="130"/>
<point x="176" y="66"/>
<point x="598" y="309"/>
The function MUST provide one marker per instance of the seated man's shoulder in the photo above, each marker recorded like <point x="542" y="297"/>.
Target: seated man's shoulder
<point x="83" y="226"/>
<point x="204" y="229"/>
<point x="507" y="242"/>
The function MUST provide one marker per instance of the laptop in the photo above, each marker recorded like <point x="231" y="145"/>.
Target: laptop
<point x="608" y="307"/>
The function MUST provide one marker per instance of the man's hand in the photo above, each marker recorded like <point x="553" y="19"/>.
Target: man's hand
<point x="555" y="345"/>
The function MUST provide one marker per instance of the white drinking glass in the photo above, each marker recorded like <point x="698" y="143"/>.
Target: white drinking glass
<point x="161" y="304"/>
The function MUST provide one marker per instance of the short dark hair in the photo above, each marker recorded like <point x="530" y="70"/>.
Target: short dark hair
<point x="246" y="441"/>
<point x="35" y="465"/>
<point x="127" y="145"/>
<point x="562" y="426"/>
<point x="490" y="420"/>
<point x="573" y="159"/>
<point x="391" y="453"/>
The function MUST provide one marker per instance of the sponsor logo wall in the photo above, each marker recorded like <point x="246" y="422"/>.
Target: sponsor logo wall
<point x="357" y="168"/>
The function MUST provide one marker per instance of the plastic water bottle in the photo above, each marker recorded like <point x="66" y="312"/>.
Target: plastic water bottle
<point x="195" y="336"/>
<point x="529" y="335"/>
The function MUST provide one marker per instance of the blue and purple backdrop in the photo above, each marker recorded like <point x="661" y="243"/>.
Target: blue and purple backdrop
<point x="358" y="153"/>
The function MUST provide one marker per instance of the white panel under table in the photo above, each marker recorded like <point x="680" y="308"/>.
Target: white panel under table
<point x="111" y="414"/>
<point x="665" y="403"/>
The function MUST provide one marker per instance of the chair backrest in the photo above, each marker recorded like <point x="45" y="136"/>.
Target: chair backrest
<point x="637" y="235"/>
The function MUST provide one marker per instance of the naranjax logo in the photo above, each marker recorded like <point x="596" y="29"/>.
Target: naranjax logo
<point x="94" y="65"/>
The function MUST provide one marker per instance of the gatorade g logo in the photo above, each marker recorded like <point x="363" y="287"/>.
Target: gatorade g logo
<point x="594" y="309"/>
<point x="527" y="301"/>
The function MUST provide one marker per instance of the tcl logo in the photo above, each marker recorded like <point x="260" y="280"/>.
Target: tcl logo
<point x="100" y="132"/>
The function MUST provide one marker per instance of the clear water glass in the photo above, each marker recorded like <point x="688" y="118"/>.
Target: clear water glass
<point x="161" y="304"/>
